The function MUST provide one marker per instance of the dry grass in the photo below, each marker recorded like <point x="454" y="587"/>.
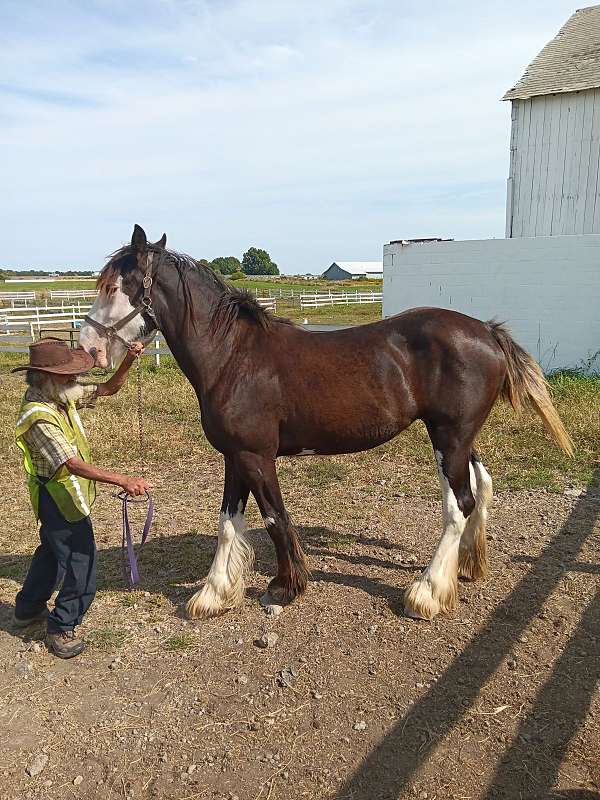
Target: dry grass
<point x="351" y="314"/>
<point x="516" y="448"/>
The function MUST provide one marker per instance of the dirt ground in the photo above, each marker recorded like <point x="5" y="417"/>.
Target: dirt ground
<point x="498" y="700"/>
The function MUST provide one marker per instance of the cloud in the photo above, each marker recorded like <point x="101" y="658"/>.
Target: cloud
<point x="317" y="131"/>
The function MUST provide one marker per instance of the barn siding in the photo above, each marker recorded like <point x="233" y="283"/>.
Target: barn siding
<point x="547" y="289"/>
<point x="554" y="162"/>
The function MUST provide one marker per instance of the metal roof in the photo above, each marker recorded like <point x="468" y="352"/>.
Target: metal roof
<point x="569" y="63"/>
<point x="360" y="267"/>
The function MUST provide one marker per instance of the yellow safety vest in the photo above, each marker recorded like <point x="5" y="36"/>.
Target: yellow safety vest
<point x="74" y="496"/>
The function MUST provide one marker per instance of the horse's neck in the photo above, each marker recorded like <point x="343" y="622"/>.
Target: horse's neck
<point x="197" y="352"/>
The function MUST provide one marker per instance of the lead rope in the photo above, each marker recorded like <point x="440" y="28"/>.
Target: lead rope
<point x="140" y="414"/>
<point x="130" y="568"/>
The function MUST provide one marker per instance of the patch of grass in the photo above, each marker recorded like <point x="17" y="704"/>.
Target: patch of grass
<point x="157" y="601"/>
<point x="320" y="472"/>
<point x="339" y="541"/>
<point x="129" y="599"/>
<point x="11" y="571"/>
<point x="181" y="641"/>
<point x="352" y="314"/>
<point x="107" y="639"/>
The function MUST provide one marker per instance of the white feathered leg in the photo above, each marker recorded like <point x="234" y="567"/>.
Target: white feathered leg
<point x="224" y="586"/>
<point x="436" y="589"/>
<point x="472" y="553"/>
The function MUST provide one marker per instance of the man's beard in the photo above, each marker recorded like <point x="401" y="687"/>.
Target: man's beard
<point x="63" y="393"/>
<point x="69" y="392"/>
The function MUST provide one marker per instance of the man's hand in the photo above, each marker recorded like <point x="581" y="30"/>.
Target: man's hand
<point x="135" y="486"/>
<point x="136" y="349"/>
<point x="113" y="385"/>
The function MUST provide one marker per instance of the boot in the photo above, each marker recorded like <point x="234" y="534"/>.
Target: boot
<point x="24" y="622"/>
<point x="64" y="644"/>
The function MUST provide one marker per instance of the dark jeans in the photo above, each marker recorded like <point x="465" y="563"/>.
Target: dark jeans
<point x="67" y="552"/>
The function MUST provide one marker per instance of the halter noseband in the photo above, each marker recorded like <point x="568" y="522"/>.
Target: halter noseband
<point x="111" y="332"/>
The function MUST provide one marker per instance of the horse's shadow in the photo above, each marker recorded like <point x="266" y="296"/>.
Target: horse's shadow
<point x="171" y="565"/>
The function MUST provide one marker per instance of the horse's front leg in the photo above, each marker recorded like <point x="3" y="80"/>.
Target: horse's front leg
<point x="292" y="572"/>
<point x="224" y="586"/>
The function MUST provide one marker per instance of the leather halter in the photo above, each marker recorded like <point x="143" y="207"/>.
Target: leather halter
<point x="111" y="332"/>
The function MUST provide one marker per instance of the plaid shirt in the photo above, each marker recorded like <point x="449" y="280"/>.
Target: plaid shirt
<point x="47" y="444"/>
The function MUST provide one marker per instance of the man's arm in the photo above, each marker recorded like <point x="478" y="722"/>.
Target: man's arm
<point x="134" y="486"/>
<point x="115" y="383"/>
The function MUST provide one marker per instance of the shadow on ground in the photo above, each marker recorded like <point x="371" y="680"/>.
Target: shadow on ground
<point x="530" y="766"/>
<point x="169" y="564"/>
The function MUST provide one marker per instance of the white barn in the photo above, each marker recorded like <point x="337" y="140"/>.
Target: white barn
<point x="555" y="136"/>
<point x="543" y="279"/>
<point x="353" y="270"/>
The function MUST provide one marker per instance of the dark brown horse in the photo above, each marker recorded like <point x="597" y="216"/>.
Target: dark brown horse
<point x="269" y="388"/>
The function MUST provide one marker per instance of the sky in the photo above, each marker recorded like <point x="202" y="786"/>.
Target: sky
<point x="318" y="130"/>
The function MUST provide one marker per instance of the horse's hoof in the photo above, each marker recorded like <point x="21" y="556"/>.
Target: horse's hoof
<point x="271" y="608"/>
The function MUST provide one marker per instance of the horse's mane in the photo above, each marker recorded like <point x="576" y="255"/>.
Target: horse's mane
<point x="228" y="304"/>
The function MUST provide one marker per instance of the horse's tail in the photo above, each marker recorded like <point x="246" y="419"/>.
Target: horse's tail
<point x="525" y="384"/>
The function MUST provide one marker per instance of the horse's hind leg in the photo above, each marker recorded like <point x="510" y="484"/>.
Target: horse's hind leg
<point x="472" y="552"/>
<point x="224" y="585"/>
<point x="292" y="572"/>
<point x="436" y="589"/>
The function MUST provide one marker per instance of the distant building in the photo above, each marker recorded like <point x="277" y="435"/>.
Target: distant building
<point x="353" y="270"/>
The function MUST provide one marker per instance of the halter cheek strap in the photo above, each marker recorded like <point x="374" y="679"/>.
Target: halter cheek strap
<point x="111" y="332"/>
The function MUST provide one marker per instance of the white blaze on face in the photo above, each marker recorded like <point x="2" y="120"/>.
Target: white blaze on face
<point x="110" y="307"/>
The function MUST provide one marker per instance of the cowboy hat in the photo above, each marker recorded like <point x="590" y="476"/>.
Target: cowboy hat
<point x="55" y="356"/>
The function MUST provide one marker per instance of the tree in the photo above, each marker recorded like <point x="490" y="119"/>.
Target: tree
<point x="258" y="262"/>
<point x="226" y="264"/>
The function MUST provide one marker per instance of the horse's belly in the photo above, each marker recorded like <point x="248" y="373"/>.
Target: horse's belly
<point x="332" y="442"/>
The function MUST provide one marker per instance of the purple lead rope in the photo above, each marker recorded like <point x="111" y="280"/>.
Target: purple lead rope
<point x="130" y="567"/>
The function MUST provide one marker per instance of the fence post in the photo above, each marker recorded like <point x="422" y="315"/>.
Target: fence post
<point x="157" y="353"/>
<point x="31" y="333"/>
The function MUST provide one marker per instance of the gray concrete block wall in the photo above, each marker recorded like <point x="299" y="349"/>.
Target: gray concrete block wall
<point x="546" y="288"/>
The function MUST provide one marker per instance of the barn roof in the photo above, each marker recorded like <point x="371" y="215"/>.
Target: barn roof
<point x="569" y="63"/>
<point x="360" y="267"/>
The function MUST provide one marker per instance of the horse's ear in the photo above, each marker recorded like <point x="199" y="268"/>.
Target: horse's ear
<point x="139" y="241"/>
<point x="162" y="242"/>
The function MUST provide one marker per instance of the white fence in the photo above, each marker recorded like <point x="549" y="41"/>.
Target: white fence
<point x="17" y="297"/>
<point x="267" y="302"/>
<point x="11" y="343"/>
<point x="73" y="294"/>
<point x="339" y="299"/>
<point x="39" y="318"/>
<point x="46" y="317"/>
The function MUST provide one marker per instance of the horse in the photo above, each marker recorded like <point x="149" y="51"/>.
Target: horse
<point x="269" y="388"/>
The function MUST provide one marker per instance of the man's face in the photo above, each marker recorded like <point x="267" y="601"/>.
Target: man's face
<point x="64" y="380"/>
<point x="63" y="388"/>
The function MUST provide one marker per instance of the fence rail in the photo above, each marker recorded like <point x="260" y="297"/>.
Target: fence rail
<point x="11" y="343"/>
<point x="17" y="297"/>
<point x="40" y="318"/>
<point x="267" y="302"/>
<point x="339" y="298"/>
<point x="73" y="294"/>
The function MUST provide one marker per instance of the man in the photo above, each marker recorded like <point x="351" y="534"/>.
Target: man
<point x="62" y="487"/>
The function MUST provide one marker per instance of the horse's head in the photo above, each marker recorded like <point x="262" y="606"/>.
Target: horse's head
<point x="120" y="313"/>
